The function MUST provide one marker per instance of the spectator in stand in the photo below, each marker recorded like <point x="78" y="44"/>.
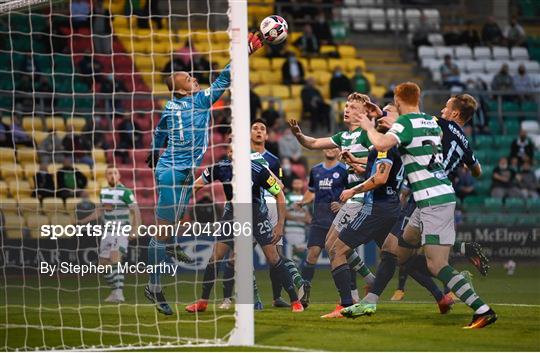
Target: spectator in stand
<point x="522" y="148"/>
<point x="527" y="181"/>
<point x="5" y="136"/>
<point x="51" y="149"/>
<point x="80" y="13"/>
<point x="129" y="136"/>
<point x="97" y="128"/>
<point x="77" y="146"/>
<point x="85" y="208"/>
<point x="112" y="86"/>
<point x="255" y="105"/>
<point x="290" y="148"/>
<point x="288" y="174"/>
<point x="292" y="70"/>
<point x="44" y="183"/>
<point x="452" y="36"/>
<point x="340" y="84"/>
<point x="523" y="83"/>
<point x="270" y="114"/>
<point x="463" y="183"/>
<point x="338" y="27"/>
<point x="321" y="29"/>
<point x="450" y="73"/>
<point x="503" y="81"/>
<point x="187" y="59"/>
<point x="491" y="32"/>
<point x="71" y="182"/>
<point x="272" y="143"/>
<point x="90" y="69"/>
<point x="19" y="136"/>
<point x="503" y="181"/>
<point x="514" y="34"/>
<point x="421" y="33"/>
<point x="308" y="42"/>
<point x="101" y="28"/>
<point x="314" y="107"/>
<point x="470" y="36"/>
<point x="359" y="82"/>
<point x="43" y="86"/>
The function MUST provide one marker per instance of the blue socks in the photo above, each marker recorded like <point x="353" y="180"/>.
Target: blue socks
<point x="156" y="254"/>
<point x="342" y="280"/>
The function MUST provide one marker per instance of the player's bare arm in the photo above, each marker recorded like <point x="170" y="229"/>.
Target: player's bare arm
<point x="381" y="142"/>
<point x="373" y="182"/>
<point x="309" y="142"/>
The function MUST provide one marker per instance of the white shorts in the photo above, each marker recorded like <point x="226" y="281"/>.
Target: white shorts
<point x="346" y="214"/>
<point x="436" y="224"/>
<point x="112" y="243"/>
<point x="295" y="238"/>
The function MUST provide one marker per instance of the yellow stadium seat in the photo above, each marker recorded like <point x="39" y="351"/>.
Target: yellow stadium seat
<point x="71" y="203"/>
<point x="351" y="64"/>
<point x="53" y="168"/>
<point x="163" y="47"/>
<point x="296" y="91"/>
<point x="98" y="155"/>
<point x="325" y="91"/>
<point x="95" y="200"/>
<point x="305" y="63"/>
<point x="277" y="63"/>
<point x="29" y="204"/>
<point x="293" y="36"/>
<point x="160" y="89"/>
<point x="263" y="90"/>
<point x="378" y="91"/>
<point x="39" y="136"/>
<point x="202" y="47"/>
<point x="219" y="47"/>
<point x="52" y="205"/>
<point x="140" y="46"/>
<point x="220" y="36"/>
<point x="3" y="190"/>
<point x="15" y="225"/>
<point x="34" y="223"/>
<point x="30" y="170"/>
<point x="221" y="61"/>
<point x="370" y="77"/>
<point x="346" y="51"/>
<point x="271" y="77"/>
<point x="333" y="63"/>
<point x="32" y="124"/>
<point x="27" y="155"/>
<point x="99" y="170"/>
<point x="201" y="36"/>
<point x="323" y="78"/>
<point x="55" y="123"/>
<point x="318" y="64"/>
<point x="255" y="77"/>
<point x="7" y="155"/>
<point x="20" y="188"/>
<point x="281" y="91"/>
<point x="61" y="218"/>
<point x="85" y="169"/>
<point x="259" y="63"/>
<point x="9" y="205"/>
<point x="327" y="49"/>
<point x="142" y="33"/>
<point x="292" y="106"/>
<point x="93" y="188"/>
<point x="77" y="123"/>
<point x="11" y="171"/>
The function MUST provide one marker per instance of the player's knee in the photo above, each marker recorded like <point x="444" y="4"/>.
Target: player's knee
<point x="435" y="265"/>
<point x="313" y="254"/>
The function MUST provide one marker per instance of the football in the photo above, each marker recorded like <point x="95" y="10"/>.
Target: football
<point x="274" y="29"/>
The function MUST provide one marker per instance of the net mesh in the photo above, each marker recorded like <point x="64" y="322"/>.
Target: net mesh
<point x="81" y="85"/>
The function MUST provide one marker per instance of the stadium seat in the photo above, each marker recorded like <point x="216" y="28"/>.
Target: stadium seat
<point x="263" y="90"/>
<point x="19" y="188"/>
<point x="474" y="66"/>
<point x="10" y="171"/>
<point x="507" y="219"/>
<point x="493" y="66"/>
<point x="528" y="220"/>
<point x="532" y="67"/>
<point x="347" y="51"/>
<point x="71" y="203"/>
<point x="271" y="77"/>
<point x="260" y="63"/>
<point x="77" y="123"/>
<point x="352" y="64"/>
<point x="52" y="205"/>
<point x="513" y="66"/>
<point x="425" y="52"/>
<point x="292" y="106"/>
<point x="29" y="204"/>
<point x="3" y="190"/>
<point x="7" y="155"/>
<point x="326" y="50"/>
<point x="519" y="53"/>
<point x="442" y="51"/>
<point x="32" y="124"/>
<point x="98" y="155"/>
<point x="377" y="19"/>
<point x="27" y="155"/>
<point x="333" y="63"/>
<point x="396" y="19"/>
<point x="482" y="53"/>
<point x="255" y="77"/>
<point x="55" y="123"/>
<point x="531" y="126"/>
<point x="281" y="91"/>
<point x="433" y="17"/>
<point x="34" y="222"/>
<point x="318" y="64"/>
<point x="9" y="205"/>
<point x="533" y="205"/>
<point x="482" y="187"/>
<point x="323" y="77"/>
<point x="277" y="63"/>
<point x="473" y="203"/>
<point x="413" y="18"/>
<point x="483" y="141"/>
<point x="85" y="169"/>
<point x="296" y="90"/>
<point x="360" y="18"/>
<point x="15" y="225"/>
<point x="515" y="204"/>
<point x="436" y="39"/>
<point x="463" y="53"/>
<point x="501" y="53"/>
<point x="493" y="204"/>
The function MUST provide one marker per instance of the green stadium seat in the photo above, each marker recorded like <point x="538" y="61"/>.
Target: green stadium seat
<point x="512" y="127"/>
<point x="510" y="107"/>
<point x="533" y="205"/>
<point x="492" y="105"/>
<point x="494" y="126"/>
<point x="487" y="218"/>
<point x="529" y="107"/>
<point x="474" y="218"/>
<point x="483" y="141"/>
<point x="507" y="219"/>
<point x="473" y="203"/>
<point x="515" y="205"/>
<point x="487" y="171"/>
<point x="503" y="141"/>
<point x="482" y="186"/>
<point x="528" y="220"/>
<point x="493" y="204"/>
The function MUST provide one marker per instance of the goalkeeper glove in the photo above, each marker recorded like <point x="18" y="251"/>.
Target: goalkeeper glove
<point x="152" y="159"/>
<point x="254" y="42"/>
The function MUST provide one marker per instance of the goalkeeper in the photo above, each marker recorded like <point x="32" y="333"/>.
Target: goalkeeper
<point x="183" y="129"/>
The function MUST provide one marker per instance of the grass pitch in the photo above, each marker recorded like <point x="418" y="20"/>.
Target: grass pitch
<point x="73" y="317"/>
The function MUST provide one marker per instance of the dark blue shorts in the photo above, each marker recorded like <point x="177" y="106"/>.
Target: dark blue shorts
<point x="262" y="231"/>
<point x="374" y="222"/>
<point x="403" y="219"/>
<point x="317" y="236"/>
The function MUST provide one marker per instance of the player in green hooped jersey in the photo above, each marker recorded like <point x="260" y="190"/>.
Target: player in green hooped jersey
<point x="117" y="205"/>
<point x="354" y="146"/>
<point x="418" y="137"/>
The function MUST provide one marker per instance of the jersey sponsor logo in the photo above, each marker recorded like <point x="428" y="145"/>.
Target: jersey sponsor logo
<point x="271" y="180"/>
<point x="382" y="154"/>
<point x="326" y="184"/>
<point x="396" y="127"/>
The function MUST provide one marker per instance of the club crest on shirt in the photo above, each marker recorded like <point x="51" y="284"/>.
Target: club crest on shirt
<point x="335" y="175"/>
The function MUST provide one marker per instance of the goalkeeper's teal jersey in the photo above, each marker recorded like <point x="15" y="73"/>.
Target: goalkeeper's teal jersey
<point x="185" y="124"/>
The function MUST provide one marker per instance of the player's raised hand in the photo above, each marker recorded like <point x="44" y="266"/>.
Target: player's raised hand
<point x="374" y="111"/>
<point x="335" y="206"/>
<point x="365" y="122"/>
<point x="295" y="128"/>
<point x="346" y="195"/>
<point x="255" y="42"/>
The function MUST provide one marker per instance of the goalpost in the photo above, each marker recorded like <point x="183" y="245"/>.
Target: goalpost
<point x="97" y="84"/>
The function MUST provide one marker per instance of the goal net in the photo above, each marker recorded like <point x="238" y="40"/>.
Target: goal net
<point x="82" y="90"/>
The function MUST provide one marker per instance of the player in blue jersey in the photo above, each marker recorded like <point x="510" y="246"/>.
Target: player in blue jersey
<point x="183" y="132"/>
<point x="374" y="221"/>
<point x="326" y="182"/>
<point x="264" y="233"/>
